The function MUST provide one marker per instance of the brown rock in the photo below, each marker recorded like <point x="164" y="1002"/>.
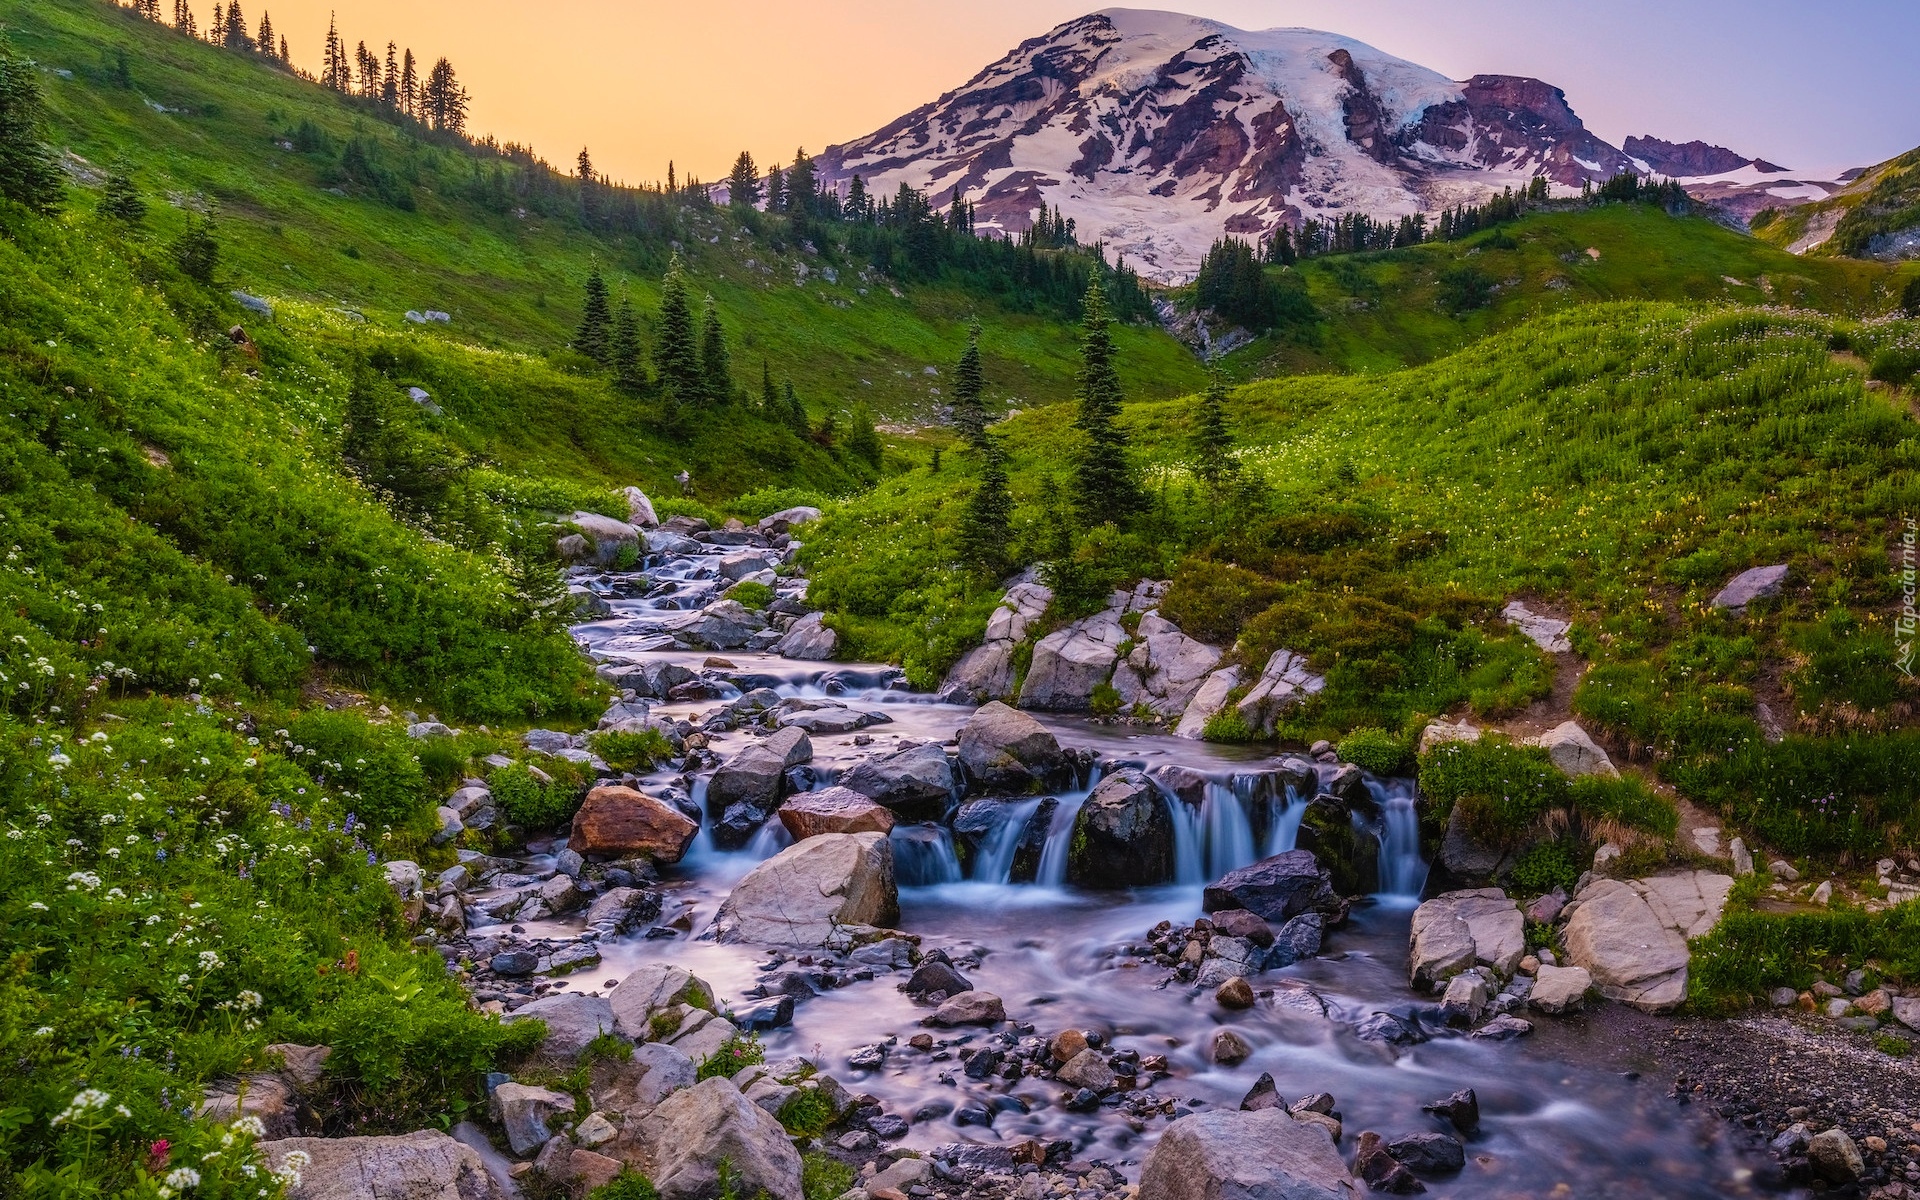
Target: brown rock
<point x="1067" y="1043"/>
<point x="1875" y="1003"/>
<point x="1234" y="993"/>
<point x="616" y="821"/>
<point x="1228" y="1047"/>
<point x="1238" y="922"/>
<point x="833" y="810"/>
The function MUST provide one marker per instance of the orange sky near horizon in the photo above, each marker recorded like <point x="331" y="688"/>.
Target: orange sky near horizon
<point x="640" y="82"/>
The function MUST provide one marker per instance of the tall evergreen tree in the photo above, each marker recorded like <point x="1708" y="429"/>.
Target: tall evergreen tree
<point x="676" y="354"/>
<point x="217" y="32"/>
<point x="390" y="80"/>
<point x="986" y="524"/>
<point x="796" y="412"/>
<point x="1103" y="484"/>
<point x="769" y="399"/>
<point x="286" y="55"/>
<point x="802" y="183"/>
<point x="596" y="321"/>
<point x="196" y="251"/>
<point x="409" y="84"/>
<point x="629" y="373"/>
<point x="335" y="72"/>
<point x="716" y="364"/>
<point x="859" y="207"/>
<point x="969" y="409"/>
<point x="743" y="182"/>
<point x="369" y="68"/>
<point x="589" y="188"/>
<point x="1213" y="461"/>
<point x="28" y="173"/>
<point x="264" y="40"/>
<point x="444" y="100"/>
<point x="776" y="190"/>
<point x="183" y="18"/>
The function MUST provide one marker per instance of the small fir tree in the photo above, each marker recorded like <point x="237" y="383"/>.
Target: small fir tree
<point x="969" y="408"/>
<point x="121" y="199"/>
<point x="1213" y="461"/>
<point x="28" y="173"/>
<point x="1103" y="485"/>
<point x="986" y="524"/>
<point x="197" y="252"/>
<point x="596" y="321"/>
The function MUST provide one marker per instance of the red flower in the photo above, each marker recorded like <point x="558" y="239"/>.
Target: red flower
<point x="157" y="1154"/>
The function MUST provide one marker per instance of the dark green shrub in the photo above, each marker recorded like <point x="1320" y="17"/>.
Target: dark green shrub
<point x="1211" y="601"/>
<point x="753" y="595"/>
<point x="1627" y="800"/>
<point x="1375" y="750"/>
<point x="1548" y="865"/>
<point x="806" y="1114"/>
<point x="631" y="751"/>
<point x="629" y="1184"/>
<point x="1227" y="726"/>
<point x="526" y="802"/>
<point x="1895" y="364"/>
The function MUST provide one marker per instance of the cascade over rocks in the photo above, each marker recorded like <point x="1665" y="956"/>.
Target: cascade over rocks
<point x="744" y="792"/>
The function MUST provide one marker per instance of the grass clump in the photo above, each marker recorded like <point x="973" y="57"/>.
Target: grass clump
<point x="629" y="1184"/>
<point x="1499" y="789"/>
<point x="528" y="803"/>
<point x="734" y="1055"/>
<point x="628" y="750"/>
<point x="824" y="1178"/>
<point x="806" y="1114"/>
<point x="1375" y="750"/>
<point x="752" y="594"/>
<point x="1750" y="953"/>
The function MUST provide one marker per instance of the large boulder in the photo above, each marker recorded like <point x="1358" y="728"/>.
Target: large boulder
<point x="1574" y="752"/>
<point x="743" y="792"/>
<point x="1164" y="669"/>
<point x="1123" y="835"/>
<point x="801" y="895"/>
<point x="1004" y="749"/>
<point x="808" y="639"/>
<point x="604" y="537"/>
<point x="640" y="513"/>
<point x="1278" y="888"/>
<point x="693" y="1131"/>
<point x="1260" y="1155"/>
<point x="1208" y="699"/>
<point x="1068" y="664"/>
<point x="916" y="782"/>
<point x="427" y="1165"/>
<point x="983" y="673"/>
<point x="1349" y="851"/>
<point x="833" y="810"/>
<point x="722" y="625"/>
<point x="573" y="1020"/>
<point x="788" y="519"/>
<point x="651" y="994"/>
<point x="1632" y="956"/>
<point x="1495" y="934"/>
<point x="615" y="822"/>
<point x="1024" y="603"/>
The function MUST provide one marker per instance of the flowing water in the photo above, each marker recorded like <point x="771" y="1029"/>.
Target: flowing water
<point x="1062" y="958"/>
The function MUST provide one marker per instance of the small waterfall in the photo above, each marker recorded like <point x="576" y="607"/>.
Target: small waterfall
<point x="1053" y="858"/>
<point x="1213" y="839"/>
<point x="1283" y="831"/>
<point x="768" y="840"/>
<point x="923" y="855"/>
<point x="1402" y="871"/>
<point x="702" y="847"/>
<point x="1189" y="842"/>
<point x="993" y="862"/>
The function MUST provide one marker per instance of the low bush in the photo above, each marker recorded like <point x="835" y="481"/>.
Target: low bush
<point x="824" y="1178"/>
<point x="1501" y="790"/>
<point x="631" y="751"/>
<point x="806" y="1114"/>
<point x="1375" y="750"/>
<point x="754" y="595"/>
<point x="529" y="804"/>
<point x="1895" y="365"/>
<point x="1626" y="800"/>
<point x="1750" y="953"/>
<point x="1851" y="797"/>
<point x="735" y="1054"/>
<point x="1545" y="866"/>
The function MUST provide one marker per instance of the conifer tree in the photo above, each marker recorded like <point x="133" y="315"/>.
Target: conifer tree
<point x="409" y="84"/>
<point x="445" y="100"/>
<point x="217" y="32"/>
<point x="121" y="199"/>
<point x="334" y="69"/>
<point x="28" y="173"/>
<point x="1213" y="461"/>
<point x="533" y="579"/>
<point x="743" y="182"/>
<point x="716" y="365"/>
<point x="969" y="409"/>
<point x="858" y="208"/>
<point x="589" y="189"/>
<point x="776" y="190"/>
<point x="596" y="321"/>
<point x="263" y="41"/>
<point x="183" y="19"/>
<point x="390" y="81"/>
<point x="863" y="440"/>
<point x="801" y="184"/>
<point x="369" y="67"/>
<point x="986" y="524"/>
<point x="796" y="413"/>
<point x="1103" y="485"/>
<point x="196" y="251"/>
<point x="676" y="355"/>
<point x="629" y="373"/>
<point x="286" y="55"/>
<point x="769" y="399"/>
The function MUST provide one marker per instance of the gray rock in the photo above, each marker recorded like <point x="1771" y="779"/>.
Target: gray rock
<point x="1632" y="956"/>
<point x="744" y="792"/>
<point x="605" y="536"/>
<point x="1503" y="1028"/>
<point x="1465" y="999"/>
<point x="1261" y="1155"/>
<point x="792" y="745"/>
<point x="917" y="782"/>
<point x="1297" y="940"/>
<point x="573" y="1020"/>
<point x="1123" y="835"/>
<point x="427" y="1165"/>
<point x="1428" y="1153"/>
<point x="1087" y="1069"/>
<point x="651" y="991"/>
<point x="523" y="1112"/>
<point x="722" y="625"/>
<point x="640" y="512"/>
<point x="1277" y="888"/>
<point x="788" y="519"/>
<point x="513" y="963"/>
<point x="1003" y="749"/>
<point x="1560" y="989"/>
<point x="1495" y="927"/>
<point x="1574" y="752"/>
<point x="694" y="1130"/>
<point x="619" y="909"/>
<point x="1165" y="668"/>
<point x="969" y="1008"/>
<point x="1756" y="583"/>
<point x="804" y="894"/>
<point x="1068" y="664"/>
<point x="1833" y="1155"/>
<point x="1548" y="633"/>
<point x="1208" y="699"/>
<point x="1284" y="683"/>
<point x="663" y="1070"/>
<point x="808" y="639"/>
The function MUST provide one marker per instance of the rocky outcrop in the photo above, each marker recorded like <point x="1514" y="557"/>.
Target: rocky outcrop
<point x="1453" y="931"/>
<point x="833" y="810"/>
<point x="1164" y="670"/>
<point x="1277" y="888"/>
<point x="916" y="782"/>
<point x="1548" y="633"/>
<point x="806" y="893"/>
<point x="600" y="540"/>
<point x="427" y="1165"/>
<point x="695" y="1130"/>
<point x="1260" y="1155"/>
<point x="640" y="513"/>
<point x="1208" y="699"/>
<point x="1068" y="664"/>
<point x="614" y="822"/>
<point x="1632" y="936"/>
<point x="987" y="671"/>
<point x="1284" y="683"/>
<point x="1123" y="835"/>
<point x="1005" y="750"/>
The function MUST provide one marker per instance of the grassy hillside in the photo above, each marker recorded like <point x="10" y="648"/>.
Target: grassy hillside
<point x="1389" y="309"/>
<point x="416" y="229"/>
<point x="1864" y="219"/>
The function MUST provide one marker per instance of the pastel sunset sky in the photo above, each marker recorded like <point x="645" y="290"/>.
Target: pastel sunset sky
<point x="1815" y="87"/>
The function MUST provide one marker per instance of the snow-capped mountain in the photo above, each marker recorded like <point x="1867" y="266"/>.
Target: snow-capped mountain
<point x="1158" y="132"/>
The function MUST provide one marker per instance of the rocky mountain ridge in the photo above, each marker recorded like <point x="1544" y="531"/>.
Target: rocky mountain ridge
<point x="1159" y="132"/>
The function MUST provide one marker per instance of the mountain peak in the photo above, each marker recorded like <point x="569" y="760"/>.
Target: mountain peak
<point x="1159" y="132"/>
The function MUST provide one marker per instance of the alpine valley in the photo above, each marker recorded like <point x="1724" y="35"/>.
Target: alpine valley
<point x="1212" y="614"/>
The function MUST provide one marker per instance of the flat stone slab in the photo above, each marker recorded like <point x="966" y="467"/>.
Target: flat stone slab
<point x="1548" y="633"/>
<point x="1758" y="583"/>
